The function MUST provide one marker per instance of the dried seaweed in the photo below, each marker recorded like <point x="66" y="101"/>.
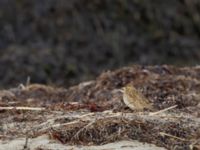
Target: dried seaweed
<point x="94" y="113"/>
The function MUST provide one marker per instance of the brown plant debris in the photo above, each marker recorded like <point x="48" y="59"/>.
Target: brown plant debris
<point x="92" y="113"/>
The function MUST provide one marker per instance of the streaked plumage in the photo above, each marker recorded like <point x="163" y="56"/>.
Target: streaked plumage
<point x="134" y="99"/>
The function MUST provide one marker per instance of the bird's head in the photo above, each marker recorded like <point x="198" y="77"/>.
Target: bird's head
<point x="127" y="88"/>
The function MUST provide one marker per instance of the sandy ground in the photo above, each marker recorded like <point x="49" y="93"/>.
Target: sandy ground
<point x="43" y="142"/>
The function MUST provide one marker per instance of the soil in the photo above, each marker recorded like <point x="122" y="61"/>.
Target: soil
<point x="93" y="113"/>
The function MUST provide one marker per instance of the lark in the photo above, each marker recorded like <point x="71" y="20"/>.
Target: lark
<point x="134" y="99"/>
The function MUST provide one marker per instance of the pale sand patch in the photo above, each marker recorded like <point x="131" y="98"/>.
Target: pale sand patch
<point x="45" y="143"/>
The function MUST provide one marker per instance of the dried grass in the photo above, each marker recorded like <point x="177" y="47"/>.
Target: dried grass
<point x="93" y="113"/>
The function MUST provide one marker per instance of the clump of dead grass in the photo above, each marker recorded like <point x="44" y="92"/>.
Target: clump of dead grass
<point x="166" y="132"/>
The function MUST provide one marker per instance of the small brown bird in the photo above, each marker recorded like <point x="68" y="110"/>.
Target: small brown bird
<point x="134" y="99"/>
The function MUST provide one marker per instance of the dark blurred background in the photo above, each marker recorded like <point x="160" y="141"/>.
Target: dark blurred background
<point x="63" y="42"/>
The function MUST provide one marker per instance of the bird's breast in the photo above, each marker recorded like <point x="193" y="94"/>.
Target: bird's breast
<point x="128" y="101"/>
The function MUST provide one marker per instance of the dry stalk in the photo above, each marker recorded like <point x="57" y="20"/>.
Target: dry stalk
<point x="58" y="125"/>
<point x="163" y="110"/>
<point x="26" y="143"/>
<point x="23" y="108"/>
<point x="172" y="136"/>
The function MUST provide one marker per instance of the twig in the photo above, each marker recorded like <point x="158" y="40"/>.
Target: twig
<point x="58" y="125"/>
<point x="65" y="124"/>
<point x="194" y="145"/>
<point x="85" y="115"/>
<point x="21" y="86"/>
<point x="161" y="111"/>
<point x="50" y="122"/>
<point x="28" y="81"/>
<point x="172" y="136"/>
<point x="83" y="128"/>
<point x="23" y="108"/>
<point x="26" y="143"/>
